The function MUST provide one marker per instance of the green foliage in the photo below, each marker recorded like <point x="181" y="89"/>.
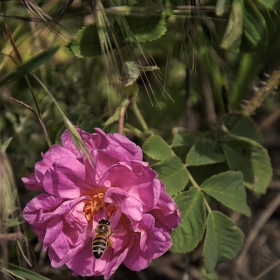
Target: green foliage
<point x="127" y="39"/>
<point x="193" y="215"/>
<point x="228" y="188"/>
<point x="238" y="145"/>
<point x="130" y="73"/>
<point x="254" y="163"/>
<point x="255" y="29"/>
<point x="222" y="6"/>
<point x="233" y="35"/>
<point x="145" y="29"/>
<point x="86" y="42"/>
<point x="246" y="26"/>
<point x="181" y="144"/>
<point x="205" y="151"/>
<point x="155" y="147"/>
<point x="223" y="240"/>
<point x="5" y="145"/>
<point x="237" y="127"/>
<point x="272" y="4"/>
<point x="22" y="273"/>
<point x="173" y="174"/>
<point x="13" y="222"/>
<point x="27" y="67"/>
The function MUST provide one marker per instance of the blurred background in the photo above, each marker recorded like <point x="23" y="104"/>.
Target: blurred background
<point x="183" y="95"/>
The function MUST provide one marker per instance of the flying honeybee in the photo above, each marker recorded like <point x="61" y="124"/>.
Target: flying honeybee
<point x="101" y="240"/>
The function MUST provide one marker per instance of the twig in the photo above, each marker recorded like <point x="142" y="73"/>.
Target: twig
<point x="26" y="106"/>
<point x="274" y="185"/>
<point x="255" y="231"/>
<point x="14" y="236"/>
<point x="267" y="270"/>
<point x="268" y="121"/>
<point x="10" y="34"/>
<point x="38" y="117"/>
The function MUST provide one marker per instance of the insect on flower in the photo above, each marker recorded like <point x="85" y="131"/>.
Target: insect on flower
<point x="81" y="204"/>
<point x="101" y="240"/>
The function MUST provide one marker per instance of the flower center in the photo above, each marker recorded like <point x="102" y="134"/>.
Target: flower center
<point x="93" y="205"/>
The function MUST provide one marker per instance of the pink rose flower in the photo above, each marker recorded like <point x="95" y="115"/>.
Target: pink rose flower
<point x="117" y="186"/>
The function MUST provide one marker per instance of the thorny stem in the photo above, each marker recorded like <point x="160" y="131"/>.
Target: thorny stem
<point x="198" y="187"/>
<point x="271" y="84"/>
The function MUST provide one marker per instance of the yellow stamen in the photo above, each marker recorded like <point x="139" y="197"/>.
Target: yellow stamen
<point x="93" y="205"/>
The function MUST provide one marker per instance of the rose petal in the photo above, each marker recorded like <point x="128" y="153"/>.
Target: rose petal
<point x="135" y="184"/>
<point x="68" y="143"/>
<point x="55" y="152"/>
<point x="35" y="207"/>
<point x="31" y="183"/>
<point x="59" y="185"/>
<point x="53" y="230"/>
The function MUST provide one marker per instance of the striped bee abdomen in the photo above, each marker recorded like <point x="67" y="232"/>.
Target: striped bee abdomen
<point x="100" y="241"/>
<point x="99" y="245"/>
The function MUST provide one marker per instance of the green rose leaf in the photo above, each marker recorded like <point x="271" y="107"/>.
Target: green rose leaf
<point x="201" y="173"/>
<point x="182" y="144"/>
<point x="222" y="6"/>
<point x="190" y="232"/>
<point x="130" y="73"/>
<point x="238" y="127"/>
<point x="223" y="240"/>
<point x="156" y="148"/>
<point x="272" y="4"/>
<point x="233" y="35"/>
<point x="255" y="29"/>
<point x="204" y="152"/>
<point x="86" y="42"/>
<point x="173" y="174"/>
<point x="253" y="161"/>
<point x="228" y="188"/>
<point x="146" y="28"/>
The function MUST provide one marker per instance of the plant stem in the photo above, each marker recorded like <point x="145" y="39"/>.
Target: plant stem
<point x="193" y="181"/>
<point x="39" y="113"/>
<point x="198" y="187"/>
<point x="123" y="108"/>
<point x="139" y="117"/>
<point x="261" y="95"/>
<point x="18" y="56"/>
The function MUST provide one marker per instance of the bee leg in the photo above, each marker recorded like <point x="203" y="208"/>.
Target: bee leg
<point x="110" y="242"/>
